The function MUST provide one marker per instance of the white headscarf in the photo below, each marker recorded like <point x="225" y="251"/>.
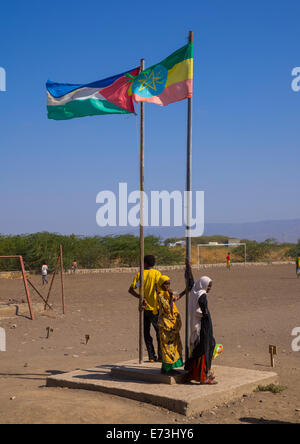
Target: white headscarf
<point x="199" y="288"/>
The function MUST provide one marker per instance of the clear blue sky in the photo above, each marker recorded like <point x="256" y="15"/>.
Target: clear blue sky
<point x="246" y="117"/>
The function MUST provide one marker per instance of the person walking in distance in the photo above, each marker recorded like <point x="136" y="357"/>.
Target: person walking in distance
<point x="44" y="273"/>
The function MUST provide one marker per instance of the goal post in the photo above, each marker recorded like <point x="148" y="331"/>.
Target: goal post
<point x="215" y="245"/>
<point x="20" y="258"/>
<point x="27" y="281"/>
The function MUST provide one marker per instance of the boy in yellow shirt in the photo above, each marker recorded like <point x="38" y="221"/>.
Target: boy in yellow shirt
<point x="150" y="305"/>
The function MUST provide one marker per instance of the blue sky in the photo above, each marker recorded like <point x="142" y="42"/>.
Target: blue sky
<point x="245" y="114"/>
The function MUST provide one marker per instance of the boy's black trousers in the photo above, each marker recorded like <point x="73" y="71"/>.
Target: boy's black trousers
<point x="151" y="319"/>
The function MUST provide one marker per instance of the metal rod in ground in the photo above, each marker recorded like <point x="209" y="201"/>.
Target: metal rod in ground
<point x="26" y="288"/>
<point x="52" y="280"/>
<point x="188" y="209"/>
<point x="62" y="279"/>
<point x="30" y="283"/>
<point x="142" y="248"/>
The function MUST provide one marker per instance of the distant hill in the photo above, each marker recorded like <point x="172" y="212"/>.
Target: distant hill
<point x="282" y="230"/>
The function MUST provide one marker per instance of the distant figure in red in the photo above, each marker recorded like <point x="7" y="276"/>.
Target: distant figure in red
<point x="228" y="261"/>
<point x="74" y="266"/>
<point x="298" y="265"/>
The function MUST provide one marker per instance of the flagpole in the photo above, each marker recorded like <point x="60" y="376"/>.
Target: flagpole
<point x="188" y="207"/>
<point x="142" y="236"/>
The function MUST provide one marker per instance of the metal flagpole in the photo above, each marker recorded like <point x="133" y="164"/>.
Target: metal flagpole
<point x="142" y="250"/>
<point x="62" y="279"/>
<point x="188" y="208"/>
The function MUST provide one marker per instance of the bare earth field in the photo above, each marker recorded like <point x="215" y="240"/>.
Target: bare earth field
<point x="251" y="308"/>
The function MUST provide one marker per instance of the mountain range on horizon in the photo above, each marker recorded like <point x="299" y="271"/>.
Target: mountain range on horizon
<point x="281" y="230"/>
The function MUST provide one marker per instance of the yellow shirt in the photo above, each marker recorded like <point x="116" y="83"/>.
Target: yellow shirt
<point x="151" y="278"/>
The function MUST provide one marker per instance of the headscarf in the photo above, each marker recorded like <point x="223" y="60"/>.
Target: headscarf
<point x="161" y="281"/>
<point x="165" y="294"/>
<point x="200" y="287"/>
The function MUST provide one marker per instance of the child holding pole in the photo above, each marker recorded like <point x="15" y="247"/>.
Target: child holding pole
<point x="169" y="323"/>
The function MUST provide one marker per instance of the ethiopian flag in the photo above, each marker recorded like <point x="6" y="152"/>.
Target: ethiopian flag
<point x="168" y="81"/>
<point x="109" y="96"/>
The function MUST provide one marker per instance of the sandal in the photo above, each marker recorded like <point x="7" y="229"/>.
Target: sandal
<point x="209" y="381"/>
<point x="211" y="375"/>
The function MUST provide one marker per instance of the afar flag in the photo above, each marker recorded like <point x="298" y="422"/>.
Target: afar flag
<point x="168" y="81"/>
<point x="109" y="96"/>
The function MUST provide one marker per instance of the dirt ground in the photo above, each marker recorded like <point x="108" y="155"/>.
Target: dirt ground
<point x="251" y="308"/>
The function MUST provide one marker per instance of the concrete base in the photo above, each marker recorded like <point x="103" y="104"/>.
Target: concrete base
<point x="145" y="383"/>
<point x="146" y="372"/>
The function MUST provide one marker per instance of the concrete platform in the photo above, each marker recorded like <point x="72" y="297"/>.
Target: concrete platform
<point x="144" y="383"/>
<point x="147" y="372"/>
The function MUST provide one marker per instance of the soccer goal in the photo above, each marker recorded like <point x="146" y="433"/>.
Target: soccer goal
<point x="20" y="258"/>
<point x="215" y="245"/>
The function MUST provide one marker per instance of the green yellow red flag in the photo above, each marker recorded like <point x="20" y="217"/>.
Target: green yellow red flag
<point x="168" y="81"/>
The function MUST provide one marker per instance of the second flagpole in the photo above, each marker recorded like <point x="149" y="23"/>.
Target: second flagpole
<point x="142" y="235"/>
<point x="188" y="208"/>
